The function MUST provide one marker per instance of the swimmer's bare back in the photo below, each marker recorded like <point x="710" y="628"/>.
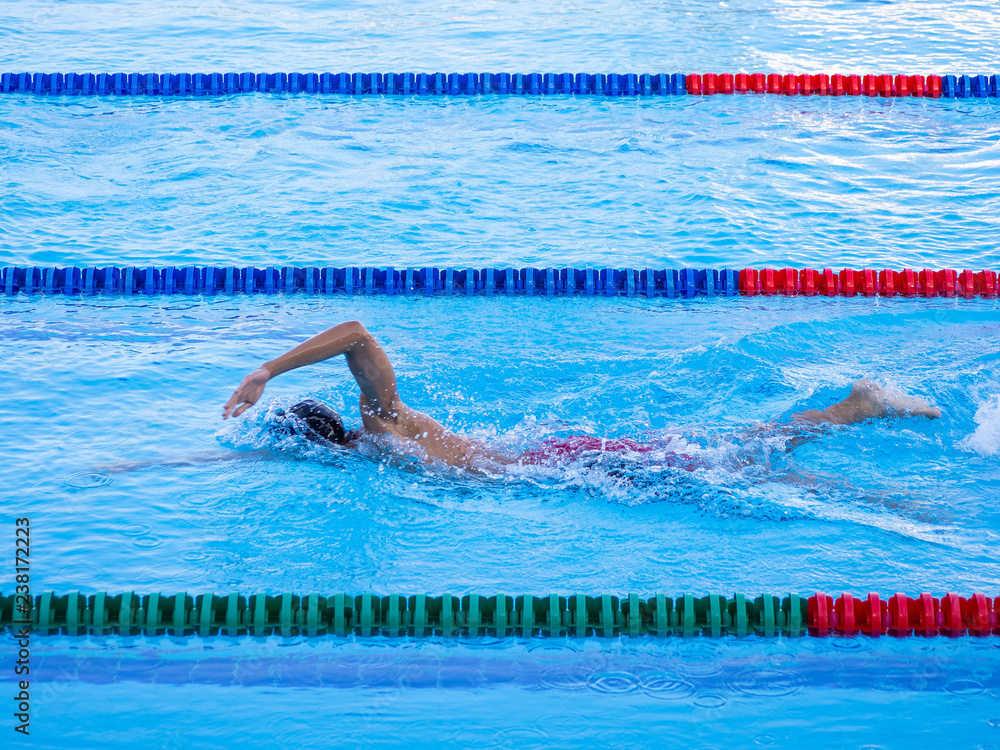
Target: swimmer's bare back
<point x="382" y="410"/>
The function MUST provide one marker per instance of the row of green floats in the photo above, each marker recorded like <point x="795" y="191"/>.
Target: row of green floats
<point x="420" y="615"/>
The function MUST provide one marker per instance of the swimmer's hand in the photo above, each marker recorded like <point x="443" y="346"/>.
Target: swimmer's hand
<point x="247" y="394"/>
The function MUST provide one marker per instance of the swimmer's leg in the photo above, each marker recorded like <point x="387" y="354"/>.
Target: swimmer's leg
<point x="868" y="400"/>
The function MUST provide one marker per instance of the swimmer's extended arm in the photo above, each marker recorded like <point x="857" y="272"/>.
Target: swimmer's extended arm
<point x="368" y="363"/>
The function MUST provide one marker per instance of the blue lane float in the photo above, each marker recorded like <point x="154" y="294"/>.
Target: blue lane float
<point x="427" y="281"/>
<point x="353" y="84"/>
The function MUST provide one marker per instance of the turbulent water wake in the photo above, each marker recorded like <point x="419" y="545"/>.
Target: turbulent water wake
<point x="985" y="440"/>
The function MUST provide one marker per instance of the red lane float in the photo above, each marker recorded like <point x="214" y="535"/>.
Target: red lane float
<point x="867" y="282"/>
<point x="925" y="615"/>
<point x="819" y="84"/>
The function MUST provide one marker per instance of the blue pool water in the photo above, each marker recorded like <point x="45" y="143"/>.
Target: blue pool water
<point x="908" y="503"/>
<point x="743" y="180"/>
<point x="899" y="505"/>
<point x="90" y="383"/>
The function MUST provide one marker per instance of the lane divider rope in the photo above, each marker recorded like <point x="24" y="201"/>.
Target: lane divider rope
<point x="551" y="281"/>
<point x="470" y="84"/>
<point x="528" y="616"/>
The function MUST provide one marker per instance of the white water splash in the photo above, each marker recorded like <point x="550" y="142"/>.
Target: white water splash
<point x="985" y="440"/>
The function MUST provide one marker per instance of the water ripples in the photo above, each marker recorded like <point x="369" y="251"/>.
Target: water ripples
<point x="560" y="678"/>
<point x="668" y="687"/>
<point x="481" y="181"/>
<point x="964" y="688"/>
<point x="423" y="36"/>
<point x="767" y="682"/>
<point x="612" y="682"/>
<point x="86" y="480"/>
<point x="278" y="511"/>
<point x="710" y="701"/>
<point x="511" y="181"/>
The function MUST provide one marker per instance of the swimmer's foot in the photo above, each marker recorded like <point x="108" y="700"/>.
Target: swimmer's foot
<point x="868" y="399"/>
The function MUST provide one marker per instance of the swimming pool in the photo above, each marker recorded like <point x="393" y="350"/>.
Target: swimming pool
<point x="907" y="505"/>
<point x="881" y="510"/>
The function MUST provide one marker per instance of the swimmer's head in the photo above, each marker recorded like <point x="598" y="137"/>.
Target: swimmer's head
<point x="316" y="421"/>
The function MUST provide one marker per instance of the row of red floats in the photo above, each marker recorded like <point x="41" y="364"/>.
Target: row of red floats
<point x="820" y="84"/>
<point x="868" y="282"/>
<point x="950" y="615"/>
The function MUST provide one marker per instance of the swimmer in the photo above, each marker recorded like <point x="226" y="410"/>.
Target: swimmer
<point x="384" y="413"/>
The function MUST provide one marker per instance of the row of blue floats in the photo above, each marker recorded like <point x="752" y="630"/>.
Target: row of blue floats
<point x="355" y="84"/>
<point x="630" y="282"/>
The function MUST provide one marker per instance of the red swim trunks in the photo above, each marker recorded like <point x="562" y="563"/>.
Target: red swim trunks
<point x="553" y="450"/>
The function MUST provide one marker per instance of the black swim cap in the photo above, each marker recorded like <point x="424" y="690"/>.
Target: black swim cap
<point x="321" y="422"/>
